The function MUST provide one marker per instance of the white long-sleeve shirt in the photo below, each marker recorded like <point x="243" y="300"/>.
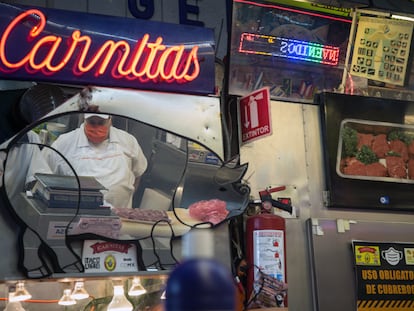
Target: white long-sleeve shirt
<point x="116" y="163"/>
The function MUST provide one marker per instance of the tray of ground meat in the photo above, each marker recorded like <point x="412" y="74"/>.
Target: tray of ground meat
<point x="372" y="150"/>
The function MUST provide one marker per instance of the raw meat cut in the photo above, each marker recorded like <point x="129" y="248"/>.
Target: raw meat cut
<point x="354" y="167"/>
<point x="396" y="167"/>
<point x="213" y="211"/>
<point x="376" y="169"/>
<point x="142" y="215"/>
<point x="399" y="147"/>
<point x="411" y="168"/>
<point x="364" y="139"/>
<point x="411" y="149"/>
<point x="380" y="145"/>
<point x="383" y="151"/>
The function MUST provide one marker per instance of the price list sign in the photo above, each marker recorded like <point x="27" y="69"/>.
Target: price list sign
<point x="382" y="48"/>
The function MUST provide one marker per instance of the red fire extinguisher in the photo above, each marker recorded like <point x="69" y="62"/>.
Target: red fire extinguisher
<point x="266" y="247"/>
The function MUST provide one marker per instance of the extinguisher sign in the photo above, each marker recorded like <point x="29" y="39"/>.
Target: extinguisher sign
<point x="255" y="115"/>
<point x="269" y="254"/>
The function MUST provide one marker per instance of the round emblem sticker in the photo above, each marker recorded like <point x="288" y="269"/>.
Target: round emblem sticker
<point x="110" y="263"/>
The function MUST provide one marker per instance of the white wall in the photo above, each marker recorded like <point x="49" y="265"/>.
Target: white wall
<point x="292" y="155"/>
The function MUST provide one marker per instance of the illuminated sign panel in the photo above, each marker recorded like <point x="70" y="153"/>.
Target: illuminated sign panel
<point x="59" y="46"/>
<point x="294" y="48"/>
<point x="289" y="48"/>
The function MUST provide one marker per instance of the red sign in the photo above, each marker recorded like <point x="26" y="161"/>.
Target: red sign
<point x="101" y="247"/>
<point x="255" y="115"/>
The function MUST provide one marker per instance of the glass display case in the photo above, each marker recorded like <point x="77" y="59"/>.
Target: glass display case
<point x="368" y="148"/>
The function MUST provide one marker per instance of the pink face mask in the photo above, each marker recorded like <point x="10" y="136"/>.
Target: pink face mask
<point x="96" y="133"/>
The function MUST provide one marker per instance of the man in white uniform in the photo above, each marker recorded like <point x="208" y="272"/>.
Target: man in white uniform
<point x="98" y="149"/>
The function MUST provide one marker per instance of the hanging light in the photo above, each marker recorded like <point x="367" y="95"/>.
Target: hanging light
<point x="119" y="302"/>
<point x="79" y="291"/>
<point x="136" y="289"/>
<point x="67" y="298"/>
<point x="21" y="293"/>
<point x="164" y="292"/>
<point x="13" y="305"/>
<point x="163" y="295"/>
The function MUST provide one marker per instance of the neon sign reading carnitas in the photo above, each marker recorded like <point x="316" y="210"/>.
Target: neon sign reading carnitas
<point x="289" y="48"/>
<point x="146" y="60"/>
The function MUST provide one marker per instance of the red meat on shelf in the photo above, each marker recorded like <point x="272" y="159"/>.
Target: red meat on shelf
<point x="354" y="167"/>
<point x="399" y="147"/>
<point x="380" y="145"/>
<point x="376" y="169"/>
<point x="411" y="149"/>
<point x="364" y="139"/>
<point x="396" y="167"/>
<point x="410" y="168"/>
